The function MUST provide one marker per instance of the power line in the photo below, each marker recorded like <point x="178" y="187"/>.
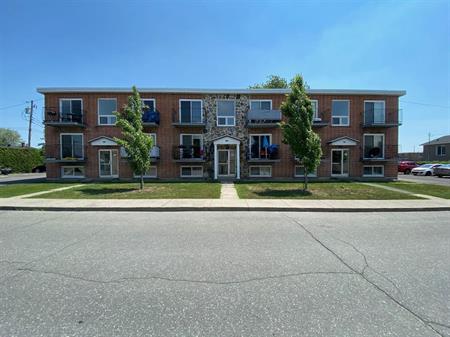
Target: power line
<point x="16" y="105"/>
<point x="426" y="104"/>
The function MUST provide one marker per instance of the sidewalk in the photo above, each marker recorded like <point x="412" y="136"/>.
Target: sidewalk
<point x="179" y="205"/>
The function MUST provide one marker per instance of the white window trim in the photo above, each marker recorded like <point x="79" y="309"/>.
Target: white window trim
<point x="191" y="167"/>
<point x="259" y="134"/>
<point x="442" y="153"/>
<point x="349" y="109"/>
<point x="192" y="134"/>
<point x="217" y="113"/>
<point x="364" y="144"/>
<point x="375" y="101"/>
<point x="310" y="175"/>
<point x="71" y="177"/>
<point x="259" y="176"/>
<point x="260" y="100"/>
<point x="331" y="161"/>
<point x="149" y="99"/>
<point x="118" y="163"/>
<point x="147" y="176"/>
<point x="71" y="134"/>
<point x="316" y="113"/>
<point x="98" y="110"/>
<point x="70" y="99"/>
<point x="190" y="100"/>
<point x="373" y="175"/>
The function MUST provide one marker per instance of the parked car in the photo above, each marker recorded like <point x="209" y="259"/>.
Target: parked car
<point x="38" y="169"/>
<point x="406" y="166"/>
<point x="5" y="170"/>
<point x="424" y="170"/>
<point x="443" y="170"/>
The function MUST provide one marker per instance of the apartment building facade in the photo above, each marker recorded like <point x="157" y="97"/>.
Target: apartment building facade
<point x="220" y="134"/>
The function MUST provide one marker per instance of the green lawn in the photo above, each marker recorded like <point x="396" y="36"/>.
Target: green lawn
<point x="322" y="190"/>
<point x="427" y="189"/>
<point x="175" y="190"/>
<point x="13" y="190"/>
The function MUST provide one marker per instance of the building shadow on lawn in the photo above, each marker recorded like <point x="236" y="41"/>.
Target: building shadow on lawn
<point x="99" y="191"/>
<point x="283" y="193"/>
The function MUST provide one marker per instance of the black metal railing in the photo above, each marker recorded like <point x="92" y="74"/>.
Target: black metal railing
<point x="187" y="152"/>
<point x="380" y="153"/>
<point x="178" y="121"/>
<point x="65" y="152"/>
<point x="382" y="117"/>
<point x="54" y="116"/>
<point x="272" y="152"/>
<point x="151" y="117"/>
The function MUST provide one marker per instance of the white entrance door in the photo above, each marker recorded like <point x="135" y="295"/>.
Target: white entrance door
<point x="224" y="162"/>
<point x="339" y="162"/>
<point x="108" y="163"/>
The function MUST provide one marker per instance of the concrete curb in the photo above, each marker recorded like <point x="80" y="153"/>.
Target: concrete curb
<point x="226" y="209"/>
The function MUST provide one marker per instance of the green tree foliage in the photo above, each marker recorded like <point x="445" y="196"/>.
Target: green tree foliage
<point x="9" y="137"/>
<point x="20" y="159"/>
<point x="136" y="143"/>
<point x="273" y="82"/>
<point x="297" y="130"/>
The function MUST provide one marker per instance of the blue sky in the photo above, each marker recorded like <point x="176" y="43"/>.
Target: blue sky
<point x="229" y="44"/>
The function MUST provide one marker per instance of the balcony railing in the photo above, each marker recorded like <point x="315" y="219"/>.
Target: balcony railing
<point x="55" y="117"/>
<point x="188" y="153"/>
<point x="263" y="118"/>
<point x="270" y="153"/>
<point x="386" y="153"/>
<point x="319" y="120"/>
<point x="382" y="118"/>
<point x="65" y="153"/>
<point x="151" y="118"/>
<point x="188" y="122"/>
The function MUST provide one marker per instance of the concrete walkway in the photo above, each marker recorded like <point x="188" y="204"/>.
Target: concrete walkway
<point x="30" y="195"/>
<point x="399" y="190"/>
<point x="228" y="191"/>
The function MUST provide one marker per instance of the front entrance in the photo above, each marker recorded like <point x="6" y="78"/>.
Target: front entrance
<point x="108" y="163"/>
<point x="227" y="162"/>
<point x="339" y="162"/>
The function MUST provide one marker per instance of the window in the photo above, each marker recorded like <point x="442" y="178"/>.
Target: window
<point x="340" y="112"/>
<point x="72" y="172"/>
<point x="374" y="146"/>
<point x="191" y="111"/>
<point x="225" y="113"/>
<point x="261" y="104"/>
<point x="152" y="172"/>
<point x="191" y="146"/>
<point x="149" y="104"/>
<point x="300" y="172"/>
<point x="71" y="109"/>
<point x="154" y="151"/>
<point x="440" y="150"/>
<point x="260" y="146"/>
<point x="260" y="171"/>
<point x="374" y="112"/>
<point x="315" y="108"/>
<point x="106" y="107"/>
<point x="191" y="171"/>
<point x="373" y="171"/>
<point x="72" y="146"/>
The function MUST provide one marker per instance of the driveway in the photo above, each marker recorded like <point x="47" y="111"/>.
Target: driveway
<point x="224" y="274"/>
<point x="444" y="181"/>
<point x="21" y="178"/>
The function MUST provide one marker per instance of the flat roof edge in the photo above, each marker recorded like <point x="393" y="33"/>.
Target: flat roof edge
<point x="48" y="90"/>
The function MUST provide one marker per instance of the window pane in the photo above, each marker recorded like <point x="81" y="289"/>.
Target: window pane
<point x="66" y="146"/>
<point x="367" y="170"/>
<point x="340" y="108"/>
<point x="185" y="111"/>
<point x="150" y="104"/>
<point x="65" y="107"/>
<point x="265" y="105"/>
<point x="77" y="142"/>
<point x="106" y="106"/>
<point x="314" y="108"/>
<point x="196" y="112"/>
<point x="254" y="105"/>
<point x="221" y="121"/>
<point x="185" y="171"/>
<point x="76" y="107"/>
<point x="186" y="140"/>
<point x="378" y="170"/>
<point x="254" y="171"/>
<point x="265" y="171"/>
<point x="225" y="108"/>
<point x="197" y="171"/>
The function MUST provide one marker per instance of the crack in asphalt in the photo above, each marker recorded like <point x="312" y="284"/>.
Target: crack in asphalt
<point x="12" y="262"/>
<point x="426" y="322"/>
<point x="163" y="278"/>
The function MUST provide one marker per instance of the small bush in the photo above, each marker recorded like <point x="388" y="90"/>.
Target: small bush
<point x="20" y="159"/>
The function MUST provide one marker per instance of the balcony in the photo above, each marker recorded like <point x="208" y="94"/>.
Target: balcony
<point x="382" y="118"/>
<point x="57" y="118"/>
<point x="150" y="118"/>
<point x="154" y="153"/>
<point x="187" y="153"/>
<point x="268" y="154"/>
<point x="65" y="153"/>
<point x="177" y="121"/>
<point x="319" y="120"/>
<point x="379" y="154"/>
<point x="263" y="118"/>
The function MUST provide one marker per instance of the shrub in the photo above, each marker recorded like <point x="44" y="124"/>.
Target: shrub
<point x="20" y="159"/>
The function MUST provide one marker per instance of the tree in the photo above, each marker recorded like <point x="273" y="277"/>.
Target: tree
<point x="273" y="82"/>
<point x="9" y="137"/>
<point x="137" y="144"/>
<point x="297" y="130"/>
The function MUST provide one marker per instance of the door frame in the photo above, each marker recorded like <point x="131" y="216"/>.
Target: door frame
<point x="111" y="158"/>
<point x="228" y="151"/>
<point x="342" y="163"/>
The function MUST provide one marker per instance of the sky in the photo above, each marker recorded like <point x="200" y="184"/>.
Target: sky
<point x="229" y="44"/>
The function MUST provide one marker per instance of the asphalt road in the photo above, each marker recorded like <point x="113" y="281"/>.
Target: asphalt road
<point x="224" y="274"/>
<point x="21" y="178"/>
<point x="444" y="181"/>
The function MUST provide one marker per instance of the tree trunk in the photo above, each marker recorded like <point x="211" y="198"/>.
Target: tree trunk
<point x="141" y="185"/>
<point x="305" y="183"/>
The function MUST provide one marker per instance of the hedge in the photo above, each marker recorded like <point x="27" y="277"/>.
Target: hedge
<point x="20" y="159"/>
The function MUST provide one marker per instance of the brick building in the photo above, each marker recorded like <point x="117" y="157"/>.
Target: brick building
<point x="215" y="133"/>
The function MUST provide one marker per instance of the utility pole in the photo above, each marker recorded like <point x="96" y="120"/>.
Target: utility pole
<point x="30" y="111"/>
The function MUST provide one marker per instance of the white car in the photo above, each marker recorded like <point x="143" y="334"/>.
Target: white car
<point x="424" y="170"/>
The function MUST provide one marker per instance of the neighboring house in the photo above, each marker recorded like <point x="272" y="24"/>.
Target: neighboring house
<point x="214" y="133"/>
<point x="438" y="149"/>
